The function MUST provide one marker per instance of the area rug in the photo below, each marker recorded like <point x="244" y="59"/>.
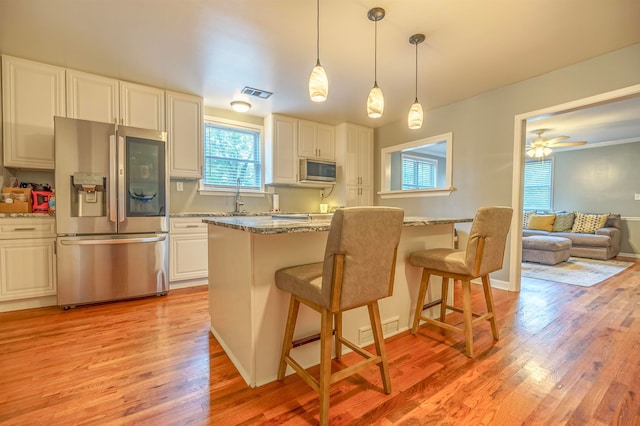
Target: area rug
<point x="577" y="271"/>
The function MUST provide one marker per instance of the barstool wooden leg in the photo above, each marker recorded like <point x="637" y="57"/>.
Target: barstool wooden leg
<point x="486" y="285"/>
<point x="444" y="296"/>
<point x="468" y="317"/>
<point x="424" y="283"/>
<point x="376" y="328"/>
<point x="338" y="330"/>
<point x="287" y="341"/>
<point x="326" y="336"/>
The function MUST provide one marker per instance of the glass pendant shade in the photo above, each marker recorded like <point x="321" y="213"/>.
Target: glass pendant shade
<point x="415" y="116"/>
<point x="375" y="102"/>
<point x="318" y="84"/>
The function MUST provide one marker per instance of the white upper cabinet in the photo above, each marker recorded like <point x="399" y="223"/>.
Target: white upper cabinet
<point x="32" y="94"/>
<point x="141" y="106"/>
<point x="92" y="97"/>
<point x="281" y="157"/>
<point x="184" y="128"/>
<point x="316" y="140"/>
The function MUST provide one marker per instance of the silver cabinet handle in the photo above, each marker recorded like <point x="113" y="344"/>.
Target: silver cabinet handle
<point x="192" y="226"/>
<point x="24" y="229"/>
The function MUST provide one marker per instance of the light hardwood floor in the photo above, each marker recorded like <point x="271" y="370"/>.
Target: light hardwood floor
<point x="567" y="355"/>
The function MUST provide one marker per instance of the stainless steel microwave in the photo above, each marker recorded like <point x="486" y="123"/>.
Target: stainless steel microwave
<point x="317" y="170"/>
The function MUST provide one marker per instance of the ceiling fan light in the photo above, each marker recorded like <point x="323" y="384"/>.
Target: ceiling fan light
<point x="415" y="116"/>
<point x="531" y="153"/>
<point x="375" y="102"/>
<point x="318" y="84"/>
<point x="546" y="151"/>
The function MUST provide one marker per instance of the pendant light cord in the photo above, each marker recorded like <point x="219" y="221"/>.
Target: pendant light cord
<point x="318" y="32"/>
<point x="416" y="72"/>
<point x="375" y="54"/>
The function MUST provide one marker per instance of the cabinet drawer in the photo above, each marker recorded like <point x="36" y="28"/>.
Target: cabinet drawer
<point x="187" y="226"/>
<point x="18" y="228"/>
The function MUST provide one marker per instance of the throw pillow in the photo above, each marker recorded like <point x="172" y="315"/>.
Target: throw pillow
<point x="588" y="223"/>
<point x="542" y="222"/>
<point x="563" y="222"/>
<point x="526" y="216"/>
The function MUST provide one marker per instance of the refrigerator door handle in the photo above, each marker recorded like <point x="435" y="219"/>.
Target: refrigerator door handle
<point x="121" y="180"/>
<point x="113" y="179"/>
<point x="154" y="239"/>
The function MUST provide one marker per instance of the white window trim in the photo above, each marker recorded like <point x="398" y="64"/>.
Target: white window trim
<point x="230" y="192"/>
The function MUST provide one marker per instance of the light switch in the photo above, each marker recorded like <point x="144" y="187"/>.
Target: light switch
<point x="636" y="197"/>
<point x="179" y="186"/>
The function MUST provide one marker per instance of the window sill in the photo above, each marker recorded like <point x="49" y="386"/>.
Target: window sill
<point x="436" y="192"/>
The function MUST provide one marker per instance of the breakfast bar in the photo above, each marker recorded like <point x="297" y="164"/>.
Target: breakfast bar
<point x="248" y="312"/>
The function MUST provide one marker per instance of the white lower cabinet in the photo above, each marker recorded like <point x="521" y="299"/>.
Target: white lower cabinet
<point x="27" y="263"/>
<point x="187" y="252"/>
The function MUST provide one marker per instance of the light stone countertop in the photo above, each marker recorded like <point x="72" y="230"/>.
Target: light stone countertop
<point x="27" y="215"/>
<point x="270" y="225"/>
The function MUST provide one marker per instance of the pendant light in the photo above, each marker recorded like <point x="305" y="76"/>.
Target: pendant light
<point x="318" y="81"/>
<point x="415" y="112"/>
<point x="375" y="101"/>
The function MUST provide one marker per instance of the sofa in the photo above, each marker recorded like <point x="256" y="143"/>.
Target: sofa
<point x="595" y="236"/>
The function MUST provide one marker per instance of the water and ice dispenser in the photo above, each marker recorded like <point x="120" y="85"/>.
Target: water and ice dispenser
<point x="88" y="195"/>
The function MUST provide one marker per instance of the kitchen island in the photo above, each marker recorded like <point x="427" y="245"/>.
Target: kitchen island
<point x="248" y="312"/>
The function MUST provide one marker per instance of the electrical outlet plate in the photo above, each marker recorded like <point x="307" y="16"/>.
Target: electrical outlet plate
<point x="179" y="186"/>
<point x="636" y="197"/>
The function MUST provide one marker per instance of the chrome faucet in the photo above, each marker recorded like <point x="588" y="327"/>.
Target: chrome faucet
<point x="239" y="201"/>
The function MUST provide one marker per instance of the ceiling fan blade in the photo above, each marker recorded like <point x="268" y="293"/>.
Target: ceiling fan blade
<point x="561" y="144"/>
<point x="553" y="141"/>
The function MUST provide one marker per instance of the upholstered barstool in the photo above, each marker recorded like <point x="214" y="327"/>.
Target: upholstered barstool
<point x="484" y="254"/>
<point x="358" y="269"/>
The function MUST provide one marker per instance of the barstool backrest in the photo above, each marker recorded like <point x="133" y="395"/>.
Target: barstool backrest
<point x="367" y="237"/>
<point x="487" y="240"/>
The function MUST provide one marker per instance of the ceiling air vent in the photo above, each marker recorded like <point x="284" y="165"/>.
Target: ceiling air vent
<point x="262" y="94"/>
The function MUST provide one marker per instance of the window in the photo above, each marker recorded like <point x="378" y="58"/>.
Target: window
<point x="538" y="184"/>
<point x="232" y="154"/>
<point x="418" y="172"/>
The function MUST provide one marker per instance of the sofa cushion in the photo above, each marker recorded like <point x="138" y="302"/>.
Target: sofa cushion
<point x="588" y="223"/>
<point x="541" y="222"/>
<point x="530" y="232"/>
<point x="563" y="222"/>
<point x="585" y="239"/>
<point x="613" y="221"/>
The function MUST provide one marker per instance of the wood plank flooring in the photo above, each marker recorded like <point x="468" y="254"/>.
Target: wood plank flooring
<point x="567" y="355"/>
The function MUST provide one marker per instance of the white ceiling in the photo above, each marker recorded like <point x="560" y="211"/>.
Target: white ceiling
<point x="216" y="47"/>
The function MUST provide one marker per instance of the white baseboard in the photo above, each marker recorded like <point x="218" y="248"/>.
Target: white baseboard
<point x="188" y="283"/>
<point x="634" y="255"/>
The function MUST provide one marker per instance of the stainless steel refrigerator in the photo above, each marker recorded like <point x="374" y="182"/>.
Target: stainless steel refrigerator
<point x="112" y="220"/>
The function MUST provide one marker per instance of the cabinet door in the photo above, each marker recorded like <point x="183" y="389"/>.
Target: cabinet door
<point x="32" y="94"/>
<point x="188" y="257"/>
<point x="141" y="106"/>
<point x="27" y="268"/>
<point x="281" y="150"/>
<point x="326" y="142"/>
<point x="352" y="162"/>
<point x="92" y="97"/>
<point x="307" y="135"/>
<point x="365" y="155"/>
<point x="184" y="129"/>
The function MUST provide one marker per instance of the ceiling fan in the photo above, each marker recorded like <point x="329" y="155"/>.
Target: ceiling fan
<point x="540" y="146"/>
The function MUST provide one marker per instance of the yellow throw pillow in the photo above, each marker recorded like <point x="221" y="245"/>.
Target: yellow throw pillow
<point x="542" y="222"/>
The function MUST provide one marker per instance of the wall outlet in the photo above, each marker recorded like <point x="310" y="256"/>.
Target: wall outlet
<point x="179" y="186"/>
<point x="636" y="197"/>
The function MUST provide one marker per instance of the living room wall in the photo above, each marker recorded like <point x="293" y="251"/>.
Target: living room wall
<point x="483" y="133"/>
<point x="601" y="180"/>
